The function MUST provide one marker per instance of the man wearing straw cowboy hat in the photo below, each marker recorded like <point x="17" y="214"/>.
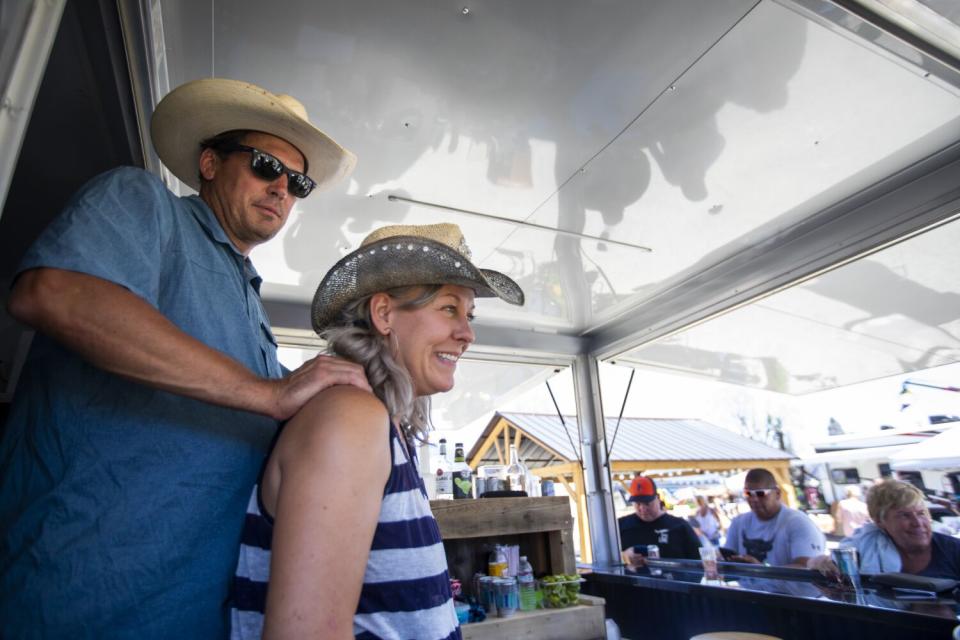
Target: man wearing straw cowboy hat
<point x="153" y="388"/>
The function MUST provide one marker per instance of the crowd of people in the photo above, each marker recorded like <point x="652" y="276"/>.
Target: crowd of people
<point x="892" y="531"/>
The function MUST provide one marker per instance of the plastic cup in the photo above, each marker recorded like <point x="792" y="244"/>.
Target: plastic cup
<point x="708" y="555"/>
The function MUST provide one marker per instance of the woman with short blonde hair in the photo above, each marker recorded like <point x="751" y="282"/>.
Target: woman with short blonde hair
<point x="900" y="538"/>
<point x="893" y="494"/>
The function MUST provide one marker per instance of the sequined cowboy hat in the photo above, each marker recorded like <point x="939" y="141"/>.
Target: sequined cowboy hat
<point x="199" y="110"/>
<point x="404" y="255"/>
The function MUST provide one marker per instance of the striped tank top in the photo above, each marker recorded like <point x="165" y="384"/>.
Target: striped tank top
<point x="406" y="587"/>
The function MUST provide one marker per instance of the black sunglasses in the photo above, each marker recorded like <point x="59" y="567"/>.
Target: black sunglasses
<point x="757" y="493"/>
<point x="270" y="168"/>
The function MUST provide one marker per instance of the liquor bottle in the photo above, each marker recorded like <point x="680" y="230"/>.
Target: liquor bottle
<point x="462" y="475"/>
<point x="444" y="473"/>
<point x="528" y="586"/>
<point x="516" y="472"/>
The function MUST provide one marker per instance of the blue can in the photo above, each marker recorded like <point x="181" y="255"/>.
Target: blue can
<point x="846" y="560"/>
<point x="508" y="597"/>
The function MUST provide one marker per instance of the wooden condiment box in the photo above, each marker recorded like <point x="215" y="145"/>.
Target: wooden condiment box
<point x="543" y="529"/>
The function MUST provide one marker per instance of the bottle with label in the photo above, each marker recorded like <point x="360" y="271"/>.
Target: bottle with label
<point x="528" y="586"/>
<point x="462" y="475"/>
<point x="497" y="565"/>
<point x="444" y="473"/>
<point x="516" y="472"/>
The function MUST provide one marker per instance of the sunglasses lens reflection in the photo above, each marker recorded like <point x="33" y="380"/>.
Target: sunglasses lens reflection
<point x="267" y="167"/>
<point x="299" y="185"/>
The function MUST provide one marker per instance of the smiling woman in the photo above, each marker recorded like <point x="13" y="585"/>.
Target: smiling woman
<point x="901" y="536"/>
<point x="340" y="524"/>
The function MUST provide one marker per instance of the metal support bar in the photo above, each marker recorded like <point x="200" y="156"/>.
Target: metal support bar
<point x="19" y="91"/>
<point x="604" y="536"/>
<point x="142" y="25"/>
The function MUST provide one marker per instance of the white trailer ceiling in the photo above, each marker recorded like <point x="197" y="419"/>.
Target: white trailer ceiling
<point x="705" y="153"/>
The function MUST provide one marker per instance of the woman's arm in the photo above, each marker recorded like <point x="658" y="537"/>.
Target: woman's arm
<point x="324" y="484"/>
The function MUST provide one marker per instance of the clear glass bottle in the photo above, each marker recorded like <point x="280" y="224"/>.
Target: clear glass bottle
<point x="516" y="472"/>
<point x="462" y="475"/>
<point x="444" y="473"/>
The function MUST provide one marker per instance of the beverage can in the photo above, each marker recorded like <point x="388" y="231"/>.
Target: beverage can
<point x="508" y="597"/>
<point x="546" y="488"/>
<point x="488" y="594"/>
<point x="653" y="553"/>
<point x="846" y="560"/>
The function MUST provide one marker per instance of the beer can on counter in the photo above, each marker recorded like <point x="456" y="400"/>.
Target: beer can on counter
<point x="508" y="597"/>
<point x="653" y="553"/>
<point x="488" y="594"/>
<point x="846" y="560"/>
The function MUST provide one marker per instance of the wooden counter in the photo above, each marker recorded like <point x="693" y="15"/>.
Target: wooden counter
<point x="582" y="622"/>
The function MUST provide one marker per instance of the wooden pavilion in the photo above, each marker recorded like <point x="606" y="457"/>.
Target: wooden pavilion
<point x="655" y="446"/>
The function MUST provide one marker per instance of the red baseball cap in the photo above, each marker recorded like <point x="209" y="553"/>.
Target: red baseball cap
<point x="642" y="489"/>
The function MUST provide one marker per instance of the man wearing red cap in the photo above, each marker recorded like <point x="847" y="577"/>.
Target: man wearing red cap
<point x="652" y="525"/>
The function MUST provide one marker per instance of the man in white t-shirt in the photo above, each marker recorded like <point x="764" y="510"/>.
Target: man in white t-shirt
<point x="772" y="533"/>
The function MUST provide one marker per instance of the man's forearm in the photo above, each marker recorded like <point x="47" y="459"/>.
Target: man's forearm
<point x="116" y="330"/>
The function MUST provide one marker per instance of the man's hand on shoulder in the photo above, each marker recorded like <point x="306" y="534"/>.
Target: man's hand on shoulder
<point x="312" y="377"/>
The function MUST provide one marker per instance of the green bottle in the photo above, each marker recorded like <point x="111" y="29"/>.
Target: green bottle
<point x="462" y="475"/>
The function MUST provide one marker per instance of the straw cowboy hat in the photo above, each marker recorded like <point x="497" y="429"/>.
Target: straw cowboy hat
<point x="403" y="255"/>
<point x="198" y="110"/>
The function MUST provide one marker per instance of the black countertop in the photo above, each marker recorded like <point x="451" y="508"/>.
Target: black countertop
<point x="795" y="589"/>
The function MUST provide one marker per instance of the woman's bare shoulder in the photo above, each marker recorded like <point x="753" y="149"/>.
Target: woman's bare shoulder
<point x="336" y="412"/>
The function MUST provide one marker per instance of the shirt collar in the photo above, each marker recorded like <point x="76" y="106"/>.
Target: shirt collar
<point x="205" y="216"/>
<point x="208" y="220"/>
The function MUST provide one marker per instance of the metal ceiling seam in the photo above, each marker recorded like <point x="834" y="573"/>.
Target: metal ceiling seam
<point x="821" y="271"/>
<point x="877" y="34"/>
<point x="912" y="201"/>
<point x="144" y="44"/>
<point x="39" y="23"/>
<point x="916" y="35"/>
<point x="516" y="223"/>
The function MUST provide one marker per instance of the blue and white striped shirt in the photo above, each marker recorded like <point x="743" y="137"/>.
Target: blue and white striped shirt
<point x="406" y="586"/>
